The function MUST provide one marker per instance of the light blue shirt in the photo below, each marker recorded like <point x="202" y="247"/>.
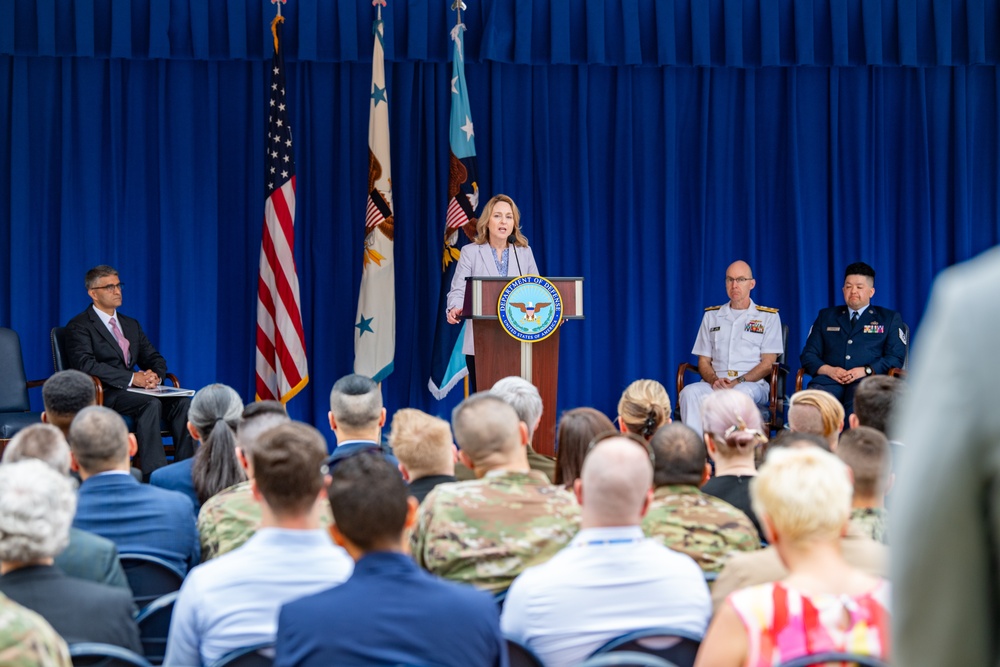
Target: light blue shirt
<point x="604" y="583"/>
<point x="233" y="601"/>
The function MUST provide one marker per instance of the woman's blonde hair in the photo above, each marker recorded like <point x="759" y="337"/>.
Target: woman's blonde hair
<point x="831" y="412"/>
<point x="644" y="407"/>
<point x="483" y="223"/>
<point x="733" y="422"/>
<point x="805" y="492"/>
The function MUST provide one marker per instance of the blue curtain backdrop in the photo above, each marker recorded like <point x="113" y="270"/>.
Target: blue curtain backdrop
<point x="648" y="144"/>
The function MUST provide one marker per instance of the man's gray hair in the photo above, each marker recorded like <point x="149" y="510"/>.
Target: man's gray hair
<point x="523" y="396"/>
<point x="40" y="441"/>
<point x="356" y="402"/>
<point x="99" y="439"/>
<point x="37" y="505"/>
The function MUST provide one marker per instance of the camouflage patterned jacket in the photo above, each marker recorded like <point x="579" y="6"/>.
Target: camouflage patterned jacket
<point x="704" y="527"/>
<point x="231" y="517"/>
<point x="27" y="640"/>
<point x="485" y="532"/>
<point x="873" y="522"/>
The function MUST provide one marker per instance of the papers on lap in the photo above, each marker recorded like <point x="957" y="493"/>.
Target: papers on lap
<point x="163" y="391"/>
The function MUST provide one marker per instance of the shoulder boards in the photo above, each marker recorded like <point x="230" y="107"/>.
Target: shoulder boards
<point x="766" y="309"/>
<point x="713" y="308"/>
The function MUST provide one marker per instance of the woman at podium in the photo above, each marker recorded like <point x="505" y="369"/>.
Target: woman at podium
<point x="499" y="249"/>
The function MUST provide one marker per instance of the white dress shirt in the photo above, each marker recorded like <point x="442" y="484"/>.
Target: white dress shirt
<point x="605" y="583"/>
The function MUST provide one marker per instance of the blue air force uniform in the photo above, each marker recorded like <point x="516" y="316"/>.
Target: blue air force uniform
<point x="876" y="340"/>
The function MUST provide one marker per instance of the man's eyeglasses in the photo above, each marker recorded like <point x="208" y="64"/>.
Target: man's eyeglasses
<point x="111" y="288"/>
<point x="628" y="436"/>
<point x="739" y="281"/>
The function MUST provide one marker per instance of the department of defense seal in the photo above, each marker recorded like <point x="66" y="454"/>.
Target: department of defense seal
<point x="530" y="308"/>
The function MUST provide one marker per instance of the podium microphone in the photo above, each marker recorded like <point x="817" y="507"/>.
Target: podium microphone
<point x="512" y="239"/>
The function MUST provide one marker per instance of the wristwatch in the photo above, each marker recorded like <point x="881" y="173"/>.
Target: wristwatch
<point x="741" y="379"/>
<point x="868" y="370"/>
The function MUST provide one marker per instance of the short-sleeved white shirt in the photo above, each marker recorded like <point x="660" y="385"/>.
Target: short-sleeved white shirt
<point x="735" y="339"/>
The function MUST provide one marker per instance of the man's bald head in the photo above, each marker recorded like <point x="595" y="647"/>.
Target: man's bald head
<point x="616" y="483"/>
<point x="739" y="268"/>
<point x="487" y="430"/>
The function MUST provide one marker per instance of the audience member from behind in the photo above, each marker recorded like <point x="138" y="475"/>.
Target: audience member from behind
<point x="610" y="580"/>
<point x="486" y="531"/>
<point x="866" y="452"/>
<point x="685" y="518"/>
<point x="64" y="394"/>
<point x="576" y="429"/>
<point x="139" y="518"/>
<point x="760" y="567"/>
<point x="388" y="612"/>
<point x="733" y="429"/>
<point x="643" y="408"/>
<point x="87" y="556"/>
<point x="875" y="403"/>
<point x="212" y="420"/>
<point x="231" y="517"/>
<point x="817" y="412"/>
<point x="803" y="496"/>
<point x="357" y="417"/>
<point x="27" y="639"/>
<point x="426" y="454"/>
<point x="232" y="601"/>
<point x="523" y="396"/>
<point x="36" y="509"/>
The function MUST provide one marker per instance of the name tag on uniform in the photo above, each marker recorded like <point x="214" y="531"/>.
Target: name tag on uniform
<point x="873" y="328"/>
<point x="833" y="328"/>
<point x="754" y="326"/>
<point x="714" y="329"/>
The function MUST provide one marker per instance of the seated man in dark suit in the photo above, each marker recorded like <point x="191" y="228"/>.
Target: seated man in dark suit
<point x="389" y="612"/>
<point x="36" y="508"/>
<point x="137" y="517"/>
<point x="848" y="343"/>
<point x="87" y="556"/>
<point x="104" y="343"/>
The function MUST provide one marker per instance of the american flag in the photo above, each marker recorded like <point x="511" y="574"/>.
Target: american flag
<point x="281" y="346"/>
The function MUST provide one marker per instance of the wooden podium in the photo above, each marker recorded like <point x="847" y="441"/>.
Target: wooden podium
<point x="500" y="355"/>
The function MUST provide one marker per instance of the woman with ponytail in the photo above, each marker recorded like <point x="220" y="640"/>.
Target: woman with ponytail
<point x="733" y="430"/>
<point x="643" y="408"/>
<point x="212" y="419"/>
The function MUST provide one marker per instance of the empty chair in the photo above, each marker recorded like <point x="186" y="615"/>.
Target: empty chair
<point x="149" y="577"/>
<point x="95" y="654"/>
<point x="676" y="645"/>
<point x="15" y="408"/>
<point x="154" y="626"/>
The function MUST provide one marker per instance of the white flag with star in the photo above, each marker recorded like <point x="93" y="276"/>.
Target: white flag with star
<point x="375" y="324"/>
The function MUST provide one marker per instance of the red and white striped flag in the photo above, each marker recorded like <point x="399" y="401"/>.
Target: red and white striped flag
<point x="281" y="345"/>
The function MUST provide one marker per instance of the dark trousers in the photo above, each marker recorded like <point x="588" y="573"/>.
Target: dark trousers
<point x="843" y="392"/>
<point x="470" y="363"/>
<point x="147" y="412"/>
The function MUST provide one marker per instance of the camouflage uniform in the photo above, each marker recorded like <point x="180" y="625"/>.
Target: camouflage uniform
<point x="27" y="640"/>
<point x="873" y="522"/>
<point x="704" y="527"/>
<point x="485" y="532"/>
<point x="231" y="517"/>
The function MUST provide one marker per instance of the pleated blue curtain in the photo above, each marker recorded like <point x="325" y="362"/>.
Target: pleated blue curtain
<point x="648" y="144"/>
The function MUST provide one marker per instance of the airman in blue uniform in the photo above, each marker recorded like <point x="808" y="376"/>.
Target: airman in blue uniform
<point x="848" y="343"/>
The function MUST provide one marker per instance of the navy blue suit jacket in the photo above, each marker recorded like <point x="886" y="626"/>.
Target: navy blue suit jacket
<point x="177" y="477"/>
<point x="390" y="612"/>
<point x="140" y="518"/>
<point x="877" y="340"/>
<point x="92" y="349"/>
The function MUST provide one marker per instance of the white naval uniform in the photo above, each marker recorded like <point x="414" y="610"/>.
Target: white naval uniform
<point x="735" y="341"/>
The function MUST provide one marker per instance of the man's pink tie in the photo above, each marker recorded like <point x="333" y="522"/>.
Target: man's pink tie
<point x="122" y="340"/>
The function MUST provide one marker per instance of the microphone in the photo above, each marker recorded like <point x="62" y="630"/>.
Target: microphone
<point x="512" y="239"/>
